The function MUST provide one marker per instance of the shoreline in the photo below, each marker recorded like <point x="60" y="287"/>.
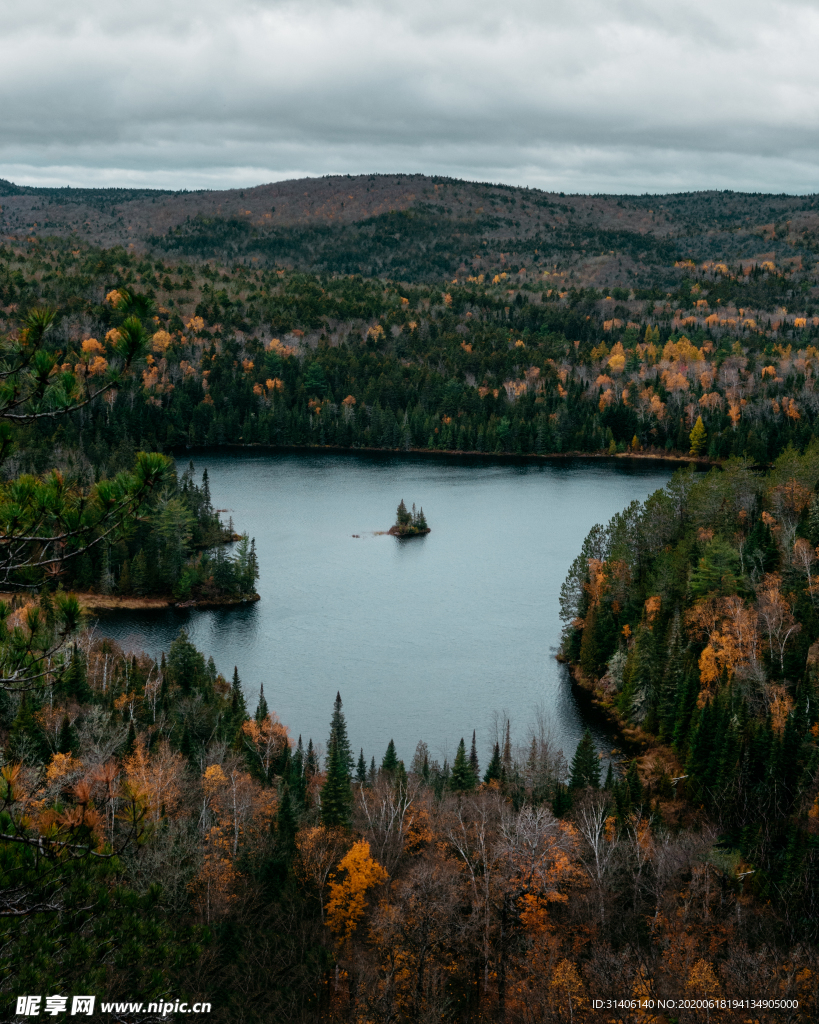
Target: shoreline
<point x="99" y="604"/>
<point x="632" y="737"/>
<point x="510" y="457"/>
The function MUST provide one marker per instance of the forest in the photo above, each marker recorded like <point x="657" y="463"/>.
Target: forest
<point x="159" y="837"/>
<point x="500" y="365"/>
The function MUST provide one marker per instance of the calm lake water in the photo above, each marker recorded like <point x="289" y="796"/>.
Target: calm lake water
<point x="427" y="638"/>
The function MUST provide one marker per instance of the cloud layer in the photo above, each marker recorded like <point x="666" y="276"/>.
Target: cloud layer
<point x="589" y="96"/>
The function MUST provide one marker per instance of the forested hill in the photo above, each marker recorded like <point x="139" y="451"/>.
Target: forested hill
<point x="420" y="228"/>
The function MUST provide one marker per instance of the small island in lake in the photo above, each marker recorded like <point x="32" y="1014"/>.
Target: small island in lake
<point x="409" y="524"/>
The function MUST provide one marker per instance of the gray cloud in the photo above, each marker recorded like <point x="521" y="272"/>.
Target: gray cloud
<point x="577" y="96"/>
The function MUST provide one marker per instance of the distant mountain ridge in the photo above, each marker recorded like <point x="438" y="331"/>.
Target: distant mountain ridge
<point x="413" y="227"/>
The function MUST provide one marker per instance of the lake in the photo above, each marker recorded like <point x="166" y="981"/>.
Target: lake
<point x="426" y="638"/>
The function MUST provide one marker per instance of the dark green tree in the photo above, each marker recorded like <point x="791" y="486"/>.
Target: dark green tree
<point x="495" y="768"/>
<point x="389" y="763"/>
<point x="585" y="766"/>
<point x="461" y="779"/>
<point x="336" y="794"/>
<point x="262" y="710"/>
<point x="338" y="735"/>
<point x="474" y="765"/>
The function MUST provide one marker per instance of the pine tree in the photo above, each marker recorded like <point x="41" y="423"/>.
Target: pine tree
<point x="506" y="762"/>
<point x="422" y="520"/>
<point x="336" y="795"/>
<point x="311" y="765"/>
<point x="74" y="682"/>
<point x="261" y="710"/>
<point x="139" y="574"/>
<point x="238" y="707"/>
<point x="403" y="518"/>
<point x="562" y="802"/>
<point x="473" y="760"/>
<point x="67" y="741"/>
<point x="493" y="771"/>
<point x="609" y="783"/>
<point x="372" y="772"/>
<point x="461" y="780"/>
<point x="338" y="735"/>
<point x="361" y="769"/>
<point x="698" y="437"/>
<point x="130" y="740"/>
<point x="635" y="786"/>
<point x="585" y="766"/>
<point x="389" y="763"/>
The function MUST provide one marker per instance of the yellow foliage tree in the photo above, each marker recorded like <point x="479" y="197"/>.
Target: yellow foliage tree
<point x="347" y="902"/>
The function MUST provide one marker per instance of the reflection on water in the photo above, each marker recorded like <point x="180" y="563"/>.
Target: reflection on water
<point x="425" y="638"/>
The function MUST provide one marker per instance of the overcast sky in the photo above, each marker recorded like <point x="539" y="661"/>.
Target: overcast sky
<point x="575" y="95"/>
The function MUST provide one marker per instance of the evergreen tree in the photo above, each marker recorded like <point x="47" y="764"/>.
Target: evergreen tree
<point x="338" y="735"/>
<point x="473" y="760"/>
<point x="139" y="574"/>
<point x="130" y="740"/>
<point x="421" y="522"/>
<point x="311" y="765"/>
<point x="609" y="783"/>
<point x="585" y="766"/>
<point x="635" y="786"/>
<point x="461" y="780"/>
<point x="336" y="794"/>
<point x="562" y="802"/>
<point x="389" y="763"/>
<point x="361" y="769"/>
<point x="238" y="707"/>
<point x="403" y="517"/>
<point x="495" y="768"/>
<point x="67" y="743"/>
<point x="261" y="708"/>
<point x="74" y="682"/>
<point x="372" y="772"/>
<point x="506" y="761"/>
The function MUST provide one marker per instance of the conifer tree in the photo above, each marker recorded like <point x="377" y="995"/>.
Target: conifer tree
<point x="507" y="753"/>
<point x="372" y="772"/>
<point x="139" y="574"/>
<point x="635" y="786"/>
<point x="261" y="709"/>
<point x="562" y="801"/>
<point x="311" y="765"/>
<point x="461" y="780"/>
<point x="67" y="741"/>
<point x="403" y="517"/>
<point x="338" y="735"/>
<point x="473" y="760"/>
<point x="494" y="769"/>
<point x="238" y="707"/>
<point x="130" y="740"/>
<point x="389" y="763"/>
<point x="422" y="520"/>
<point x="698" y="437"/>
<point x="609" y="783"/>
<point x="585" y="766"/>
<point x="336" y="795"/>
<point x="74" y="682"/>
<point x="361" y="769"/>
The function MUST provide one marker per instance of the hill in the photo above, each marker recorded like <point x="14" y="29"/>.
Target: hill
<point x="420" y="228"/>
